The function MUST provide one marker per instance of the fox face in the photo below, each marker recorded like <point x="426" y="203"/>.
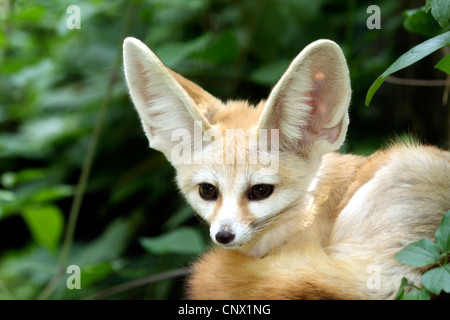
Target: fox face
<point x="246" y="170"/>
<point x="240" y="201"/>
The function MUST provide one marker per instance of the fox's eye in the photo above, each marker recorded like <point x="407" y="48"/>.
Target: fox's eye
<point x="208" y="191"/>
<point x="260" y="191"/>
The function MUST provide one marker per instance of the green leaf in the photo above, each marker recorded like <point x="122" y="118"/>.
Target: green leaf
<point x="108" y="246"/>
<point x="92" y="273"/>
<point x="414" y="294"/>
<point x="270" y="73"/>
<point x="419" y="254"/>
<point x="31" y="14"/>
<point x="440" y="10"/>
<point x="183" y="240"/>
<point x="401" y="290"/>
<point x="24" y="272"/>
<point x="173" y="54"/>
<point x="224" y="49"/>
<point x="46" y="224"/>
<point x="179" y="217"/>
<point x="412" y="56"/>
<point x="444" y="64"/>
<point x="437" y="279"/>
<point x="11" y="179"/>
<point x="417" y="294"/>
<point x="6" y="195"/>
<point x="52" y="193"/>
<point x="419" y="22"/>
<point x="443" y="234"/>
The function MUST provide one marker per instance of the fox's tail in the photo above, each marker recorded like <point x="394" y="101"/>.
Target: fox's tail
<point x="224" y="274"/>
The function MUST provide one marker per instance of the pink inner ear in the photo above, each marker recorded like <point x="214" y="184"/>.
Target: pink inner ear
<point x="333" y="133"/>
<point x="321" y="99"/>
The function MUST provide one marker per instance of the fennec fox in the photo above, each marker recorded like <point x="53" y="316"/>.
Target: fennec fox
<point x="292" y="218"/>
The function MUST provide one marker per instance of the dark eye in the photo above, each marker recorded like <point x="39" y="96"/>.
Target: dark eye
<point x="208" y="191"/>
<point x="260" y="191"/>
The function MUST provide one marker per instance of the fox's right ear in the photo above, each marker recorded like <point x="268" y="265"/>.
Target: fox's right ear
<point x="164" y="100"/>
<point x="309" y="104"/>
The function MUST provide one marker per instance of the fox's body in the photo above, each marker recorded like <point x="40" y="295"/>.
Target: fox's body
<point x="365" y="210"/>
<point x="297" y="221"/>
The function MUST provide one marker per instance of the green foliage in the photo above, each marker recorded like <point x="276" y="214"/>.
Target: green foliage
<point x="412" y="56"/>
<point x="418" y="21"/>
<point x="440" y="9"/>
<point x="427" y="253"/>
<point x="183" y="240"/>
<point x="416" y="294"/>
<point x="59" y="86"/>
<point x="45" y="224"/>
<point x="419" y="254"/>
<point x="444" y="64"/>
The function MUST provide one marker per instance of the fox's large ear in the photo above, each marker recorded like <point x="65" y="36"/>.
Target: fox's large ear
<point x="309" y="104"/>
<point x="164" y="100"/>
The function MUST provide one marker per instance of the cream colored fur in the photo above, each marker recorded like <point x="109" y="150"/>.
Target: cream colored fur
<point x="333" y="222"/>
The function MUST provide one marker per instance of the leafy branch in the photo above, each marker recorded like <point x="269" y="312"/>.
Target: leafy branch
<point x="440" y="10"/>
<point x="425" y="253"/>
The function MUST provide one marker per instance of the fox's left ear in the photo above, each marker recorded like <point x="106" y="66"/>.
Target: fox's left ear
<point x="165" y="101"/>
<point x="309" y="105"/>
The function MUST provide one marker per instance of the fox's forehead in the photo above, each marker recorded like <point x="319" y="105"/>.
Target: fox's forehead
<point x="236" y="114"/>
<point x="233" y="176"/>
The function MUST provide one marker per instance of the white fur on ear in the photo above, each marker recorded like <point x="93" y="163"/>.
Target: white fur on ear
<point x="161" y="102"/>
<point x="309" y="105"/>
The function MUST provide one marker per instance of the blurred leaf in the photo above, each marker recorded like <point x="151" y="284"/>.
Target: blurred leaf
<point x="444" y="64"/>
<point x="11" y="179"/>
<point x="14" y="145"/>
<point x="440" y="9"/>
<point x="179" y="217"/>
<point x="92" y="273"/>
<point x="413" y="55"/>
<point x="52" y="193"/>
<point x="46" y="130"/>
<point x="31" y="14"/>
<point x="269" y="74"/>
<point x="419" y="22"/>
<point x="38" y="75"/>
<point x="108" y="246"/>
<point x="23" y="272"/>
<point x="183" y="241"/>
<point x="6" y="195"/>
<point x="420" y="253"/>
<point x="224" y="49"/>
<point x="46" y="224"/>
<point x="38" y="137"/>
<point x="32" y="187"/>
<point x="173" y="54"/>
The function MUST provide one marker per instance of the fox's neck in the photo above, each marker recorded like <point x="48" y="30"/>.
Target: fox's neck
<point x="288" y="225"/>
<point x="311" y="217"/>
<point x="299" y="218"/>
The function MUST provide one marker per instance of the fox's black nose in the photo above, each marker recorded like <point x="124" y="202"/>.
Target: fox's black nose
<point x="224" y="237"/>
